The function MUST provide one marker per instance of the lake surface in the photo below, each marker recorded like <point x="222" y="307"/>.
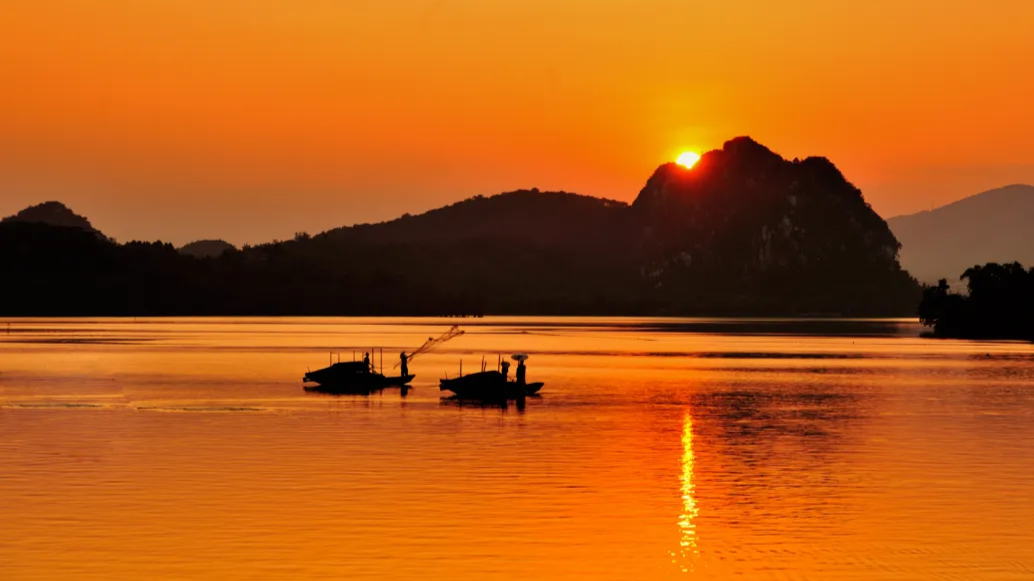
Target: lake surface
<point x="710" y="449"/>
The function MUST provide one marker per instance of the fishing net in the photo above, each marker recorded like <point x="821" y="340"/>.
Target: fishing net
<point x="434" y="342"/>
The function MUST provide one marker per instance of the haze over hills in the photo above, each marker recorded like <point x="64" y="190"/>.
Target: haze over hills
<point x="745" y="232"/>
<point x="994" y="226"/>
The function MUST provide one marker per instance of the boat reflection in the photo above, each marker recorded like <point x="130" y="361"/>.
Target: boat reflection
<point x="340" y="390"/>
<point x="503" y="405"/>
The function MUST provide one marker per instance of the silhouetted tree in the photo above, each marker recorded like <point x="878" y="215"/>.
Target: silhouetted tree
<point x="999" y="304"/>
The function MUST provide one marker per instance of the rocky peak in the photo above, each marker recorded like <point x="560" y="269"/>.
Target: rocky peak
<point x="744" y="152"/>
<point x="746" y="212"/>
<point x="740" y="164"/>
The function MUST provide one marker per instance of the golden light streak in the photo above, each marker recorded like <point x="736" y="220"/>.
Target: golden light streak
<point x="688" y="549"/>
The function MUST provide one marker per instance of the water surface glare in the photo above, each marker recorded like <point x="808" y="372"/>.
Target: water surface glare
<point x="660" y="448"/>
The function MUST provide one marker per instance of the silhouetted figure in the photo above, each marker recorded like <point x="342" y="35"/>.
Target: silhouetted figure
<point x="404" y="361"/>
<point x="506" y="370"/>
<point x="366" y="361"/>
<point x="521" y="370"/>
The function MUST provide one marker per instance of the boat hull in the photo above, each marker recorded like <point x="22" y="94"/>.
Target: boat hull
<point x="344" y="378"/>
<point x="488" y="386"/>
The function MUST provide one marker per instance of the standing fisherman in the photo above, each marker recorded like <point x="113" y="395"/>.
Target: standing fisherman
<point x="506" y="370"/>
<point x="521" y="370"/>
<point x="366" y="361"/>
<point x="404" y="362"/>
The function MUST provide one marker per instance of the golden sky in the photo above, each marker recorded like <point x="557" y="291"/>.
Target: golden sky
<point x="253" y="119"/>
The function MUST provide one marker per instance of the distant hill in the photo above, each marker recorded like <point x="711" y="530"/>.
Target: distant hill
<point x="53" y="214"/>
<point x="995" y="226"/>
<point x="539" y="218"/>
<point x="745" y="232"/>
<point x="206" y="248"/>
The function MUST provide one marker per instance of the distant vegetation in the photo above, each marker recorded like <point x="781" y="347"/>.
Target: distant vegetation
<point x="745" y="232"/>
<point x="999" y="305"/>
<point x="206" y="248"/>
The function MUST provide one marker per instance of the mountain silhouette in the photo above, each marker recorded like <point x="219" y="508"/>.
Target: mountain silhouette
<point x="745" y="232"/>
<point x="745" y="227"/>
<point x="994" y="226"/>
<point x="530" y="216"/>
<point x="53" y="214"/>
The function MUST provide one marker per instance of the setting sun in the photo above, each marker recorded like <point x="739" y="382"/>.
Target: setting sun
<point x="688" y="159"/>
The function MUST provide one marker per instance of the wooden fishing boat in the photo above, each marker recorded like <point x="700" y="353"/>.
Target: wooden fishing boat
<point x="488" y="386"/>
<point x="362" y="377"/>
<point x="353" y="377"/>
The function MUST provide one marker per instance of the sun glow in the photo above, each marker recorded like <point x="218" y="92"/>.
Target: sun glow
<point x="688" y="159"/>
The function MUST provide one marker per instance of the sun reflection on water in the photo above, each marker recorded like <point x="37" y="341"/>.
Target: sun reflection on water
<point x="688" y="550"/>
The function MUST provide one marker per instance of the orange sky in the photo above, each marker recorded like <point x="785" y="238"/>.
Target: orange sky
<point x="253" y="119"/>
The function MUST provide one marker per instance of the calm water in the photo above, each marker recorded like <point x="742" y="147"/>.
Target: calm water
<point x="187" y="449"/>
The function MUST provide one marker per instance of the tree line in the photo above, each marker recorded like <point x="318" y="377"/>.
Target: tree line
<point x="999" y="304"/>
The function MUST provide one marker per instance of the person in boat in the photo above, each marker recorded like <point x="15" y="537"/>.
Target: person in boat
<point x="521" y="371"/>
<point x="366" y="361"/>
<point x="404" y="363"/>
<point x="506" y="370"/>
